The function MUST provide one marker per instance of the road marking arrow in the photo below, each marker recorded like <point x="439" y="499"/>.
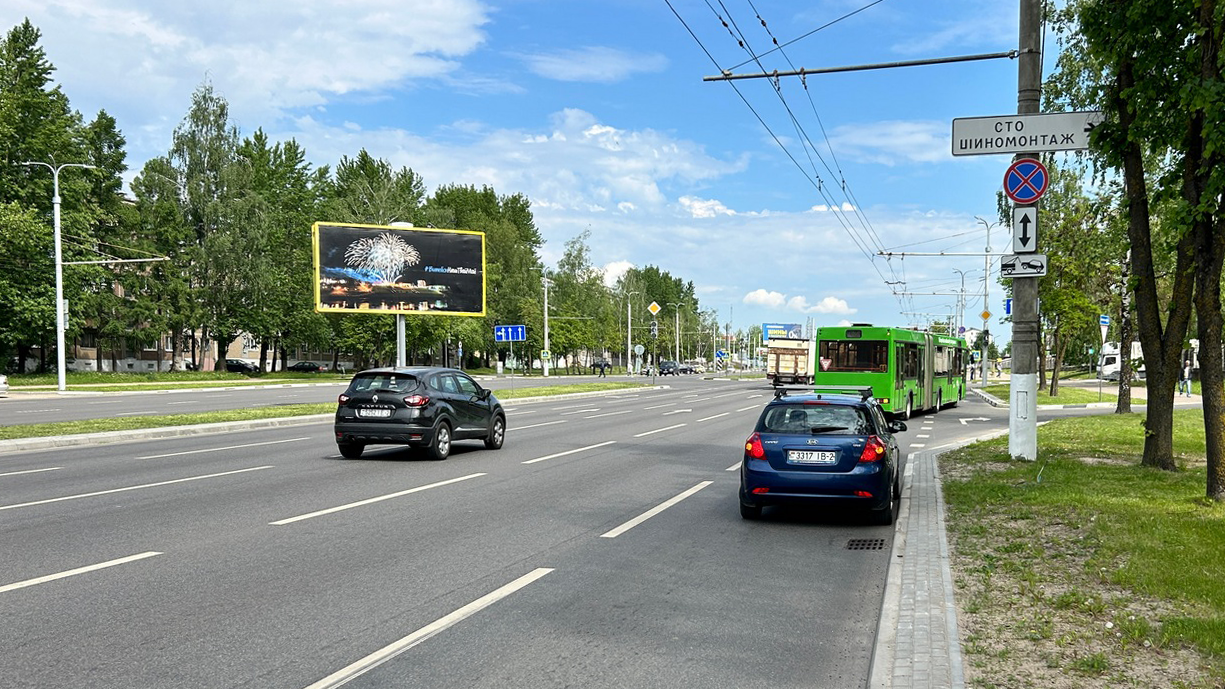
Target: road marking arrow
<point x="979" y="418"/>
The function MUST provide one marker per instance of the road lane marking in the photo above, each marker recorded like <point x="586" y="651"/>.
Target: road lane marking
<point x="355" y="670"/>
<point x="73" y="572"/>
<point x="168" y="404"/>
<point x="580" y="411"/>
<point x="370" y="501"/>
<point x="136" y="413"/>
<point x="609" y="413"/>
<point x="677" y="411"/>
<point x="922" y="436"/>
<point x="659" y="430"/>
<point x="667" y="404"/>
<point x="918" y="445"/>
<point x="654" y="511"/>
<point x="752" y="396"/>
<point x="712" y="417"/>
<point x="220" y="449"/>
<point x="747" y="408"/>
<point x="29" y="471"/>
<point x="569" y="452"/>
<point x="143" y="485"/>
<point x="735" y="466"/>
<point x="535" y="425"/>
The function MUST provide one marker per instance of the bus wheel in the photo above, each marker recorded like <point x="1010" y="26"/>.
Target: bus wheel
<point x="909" y="408"/>
<point x="939" y="401"/>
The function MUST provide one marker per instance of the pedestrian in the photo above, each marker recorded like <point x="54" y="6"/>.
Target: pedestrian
<point x="603" y="367"/>
<point x="1184" y="380"/>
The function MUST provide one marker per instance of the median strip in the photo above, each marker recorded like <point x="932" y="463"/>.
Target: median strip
<point x="73" y="572"/>
<point x="654" y="511"/>
<point x="143" y="485"/>
<point x="386" y="653"/>
<point x="370" y="501"/>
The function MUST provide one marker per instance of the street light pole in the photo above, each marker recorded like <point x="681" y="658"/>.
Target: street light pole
<point x="986" y="292"/>
<point x="544" y="363"/>
<point x="629" y="329"/>
<point x="677" y="355"/>
<point x="961" y="302"/>
<point x="60" y="359"/>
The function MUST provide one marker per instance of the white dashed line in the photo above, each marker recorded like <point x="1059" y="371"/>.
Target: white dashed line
<point x="568" y="452"/>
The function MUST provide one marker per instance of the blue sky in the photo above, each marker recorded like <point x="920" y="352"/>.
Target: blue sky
<point x="598" y="113"/>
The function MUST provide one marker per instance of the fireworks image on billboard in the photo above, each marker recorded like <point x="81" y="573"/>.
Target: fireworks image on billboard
<point x="373" y="269"/>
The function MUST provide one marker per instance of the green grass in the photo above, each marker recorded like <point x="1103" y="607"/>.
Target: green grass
<point x="39" y="430"/>
<point x="1067" y="394"/>
<point x="1146" y="531"/>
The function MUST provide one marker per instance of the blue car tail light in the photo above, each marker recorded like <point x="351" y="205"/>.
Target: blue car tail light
<point x="753" y="448"/>
<point x="873" y="450"/>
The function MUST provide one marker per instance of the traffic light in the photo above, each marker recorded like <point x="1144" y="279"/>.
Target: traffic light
<point x="654" y="328"/>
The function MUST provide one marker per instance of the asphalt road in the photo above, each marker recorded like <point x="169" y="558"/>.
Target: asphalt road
<point x="601" y="547"/>
<point x="23" y="407"/>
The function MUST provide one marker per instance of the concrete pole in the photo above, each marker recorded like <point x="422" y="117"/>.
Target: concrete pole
<point x="1023" y="403"/>
<point x="544" y="361"/>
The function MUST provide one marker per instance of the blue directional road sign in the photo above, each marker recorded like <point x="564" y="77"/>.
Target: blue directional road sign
<point x="509" y="333"/>
<point x="1025" y="181"/>
<point x="1008" y="306"/>
<point x="1103" y="319"/>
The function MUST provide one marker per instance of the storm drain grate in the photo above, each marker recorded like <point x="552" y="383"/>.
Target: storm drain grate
<point x="865" y="544"/>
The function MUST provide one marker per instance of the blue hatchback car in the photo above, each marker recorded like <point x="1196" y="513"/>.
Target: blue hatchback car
<point x="823" y="446"/>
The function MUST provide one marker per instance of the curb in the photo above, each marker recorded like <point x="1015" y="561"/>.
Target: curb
<point x="997" y="402"/>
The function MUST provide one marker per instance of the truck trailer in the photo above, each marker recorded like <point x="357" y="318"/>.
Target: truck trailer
<point x="790" y="361"/>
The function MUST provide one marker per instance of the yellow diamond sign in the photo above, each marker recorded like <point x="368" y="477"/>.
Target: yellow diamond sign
<point x="654" y="309"/>
<point x="985" y="315"/>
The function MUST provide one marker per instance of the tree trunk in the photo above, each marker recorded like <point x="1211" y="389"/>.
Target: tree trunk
<point x="1201" y="160"/>
<point x="1162" y="345"/>
<point x="1060" y="346"/>
<point x="1125" y="338"/>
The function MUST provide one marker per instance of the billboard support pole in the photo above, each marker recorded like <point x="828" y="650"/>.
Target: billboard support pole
<point x="401" y="359"/>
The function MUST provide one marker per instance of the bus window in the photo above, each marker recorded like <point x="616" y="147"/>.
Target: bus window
<point x="941" y="362"/>
<point x="862" y="355"/>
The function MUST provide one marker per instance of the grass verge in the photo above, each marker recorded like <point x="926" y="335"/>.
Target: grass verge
<point x="41" y="430"/>
<point x="1084" y="569"/>
<point x="1067" y="394"/>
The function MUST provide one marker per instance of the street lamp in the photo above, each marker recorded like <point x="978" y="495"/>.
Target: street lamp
<point x="986" y="291"/>
<point x="629" y="329"/>
<point x="961" y="302"/>
<point x="59" y="268"/>
<point x="677" y="358"/>
<point x="544" y="362"/>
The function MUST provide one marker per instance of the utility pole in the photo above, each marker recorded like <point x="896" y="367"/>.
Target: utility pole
<point x="986" y="336"/>
<point x="629" y="330"/>
<point x="1023" y="403"/>
<point x="544" y="364"/>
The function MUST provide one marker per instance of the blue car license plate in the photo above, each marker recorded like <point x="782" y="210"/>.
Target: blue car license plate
<point x="811" y="457"/>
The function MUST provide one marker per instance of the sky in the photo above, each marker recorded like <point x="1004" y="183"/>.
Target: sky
<point x="771" y="197"/>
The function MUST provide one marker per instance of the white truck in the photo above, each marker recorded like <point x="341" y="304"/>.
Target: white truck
<point x="790" y="361"/>
<point x="1109" y="364"/>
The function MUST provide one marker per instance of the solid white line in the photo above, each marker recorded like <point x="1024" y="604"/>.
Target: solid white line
<point x="536" y="425"/>
<point x="654" y="511"/>
<point x="712" y="417"/>
<point x="611" y="413"/>
<point x="120" y="490"/>
<point x="73" y="572"/>
<point x="29" y="471"/>
<point x="735" y="466"/>
<point x="669" y="404"/>
<point x="747" y="408"/>
<point x="370" y="501"/>
<point x="136" y="413"/>
<point x="568" y="452"/>
<point x="659" y="430"/>
<point x="219" y="449"/>
<point x="386" y="653"/>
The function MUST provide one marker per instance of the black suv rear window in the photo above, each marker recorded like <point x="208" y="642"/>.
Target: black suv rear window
<point x="815" y="418"/>
<point x="372" y="382"/>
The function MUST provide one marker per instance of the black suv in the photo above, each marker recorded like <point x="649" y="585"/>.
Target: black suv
<point x="668" y="368"/>
<point x="416" y="406"/>
<point x="823" y="447"/>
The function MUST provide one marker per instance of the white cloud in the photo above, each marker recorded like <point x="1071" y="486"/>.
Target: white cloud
<point x="761" y="297"/>
<point x="592" y="64"/>
<point x="828" y="305"/>
<point x="704" y="208"/>
<point x="613" y="271"/>
<point x="893" y="143"/>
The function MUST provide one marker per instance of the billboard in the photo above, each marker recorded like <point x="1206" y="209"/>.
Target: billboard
<point x="403" y="270"/>
<point x="775" y="331"/>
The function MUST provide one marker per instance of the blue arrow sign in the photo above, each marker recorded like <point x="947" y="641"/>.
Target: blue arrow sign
<point x="1008" y="307"/>
<point x="509" y="333"/>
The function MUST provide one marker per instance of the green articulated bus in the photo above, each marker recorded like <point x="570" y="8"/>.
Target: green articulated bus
<point x="908" y="370"/>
